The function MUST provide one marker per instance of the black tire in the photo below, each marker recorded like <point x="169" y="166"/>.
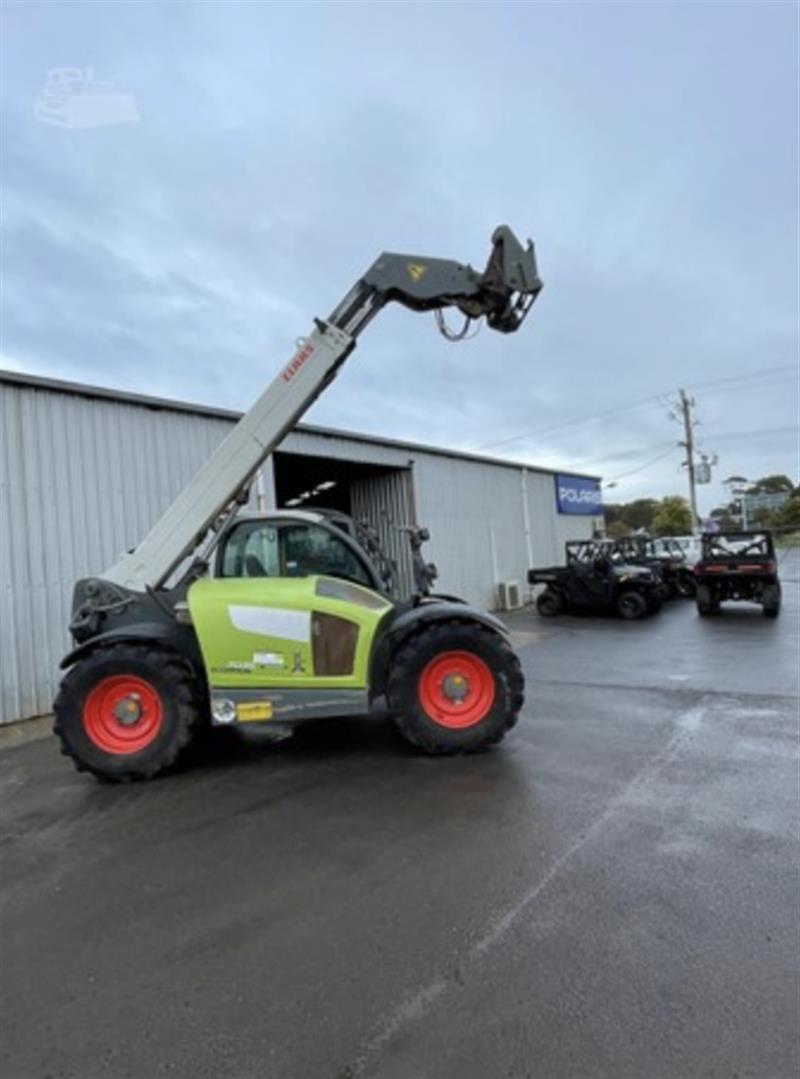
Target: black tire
<point x="654" y="603"/>
<point x="409" y="669"/>
<point x="549" y="603"/>
<point x="706" y="604"/>
<point x="169" y="684"/>
<point x="771" y="600"/>
<point x="631" y="605"/>
<point x="687" y="586"/>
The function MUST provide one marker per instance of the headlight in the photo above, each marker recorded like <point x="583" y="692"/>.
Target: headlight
<point x="223" y="710"/>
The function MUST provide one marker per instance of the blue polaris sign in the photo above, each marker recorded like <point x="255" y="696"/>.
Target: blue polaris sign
<point x="578" y="496"/>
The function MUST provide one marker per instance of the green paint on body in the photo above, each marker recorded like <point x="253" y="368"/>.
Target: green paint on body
<point x="256" y="632"/>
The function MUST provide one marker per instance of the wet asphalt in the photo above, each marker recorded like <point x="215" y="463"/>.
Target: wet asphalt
<point x="612" y="893"/>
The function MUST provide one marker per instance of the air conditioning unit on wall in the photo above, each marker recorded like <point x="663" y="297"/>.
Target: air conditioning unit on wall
<point x="509" y="595"/>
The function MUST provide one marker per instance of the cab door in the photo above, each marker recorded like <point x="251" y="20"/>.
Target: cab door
<point x="291" y="606"/>
<point x="293" y="633"/>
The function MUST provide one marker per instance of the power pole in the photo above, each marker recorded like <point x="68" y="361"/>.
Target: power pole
<point x="686" y="410"/>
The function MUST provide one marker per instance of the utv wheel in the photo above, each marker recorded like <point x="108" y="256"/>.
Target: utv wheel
<point x="455" y="688"/>
<point x="549" y="603"/>
<point x="771" y="601"/>
<point x="126" y="711"/>
<point x="687" y="586"/>
<point x="705" y="601"/>
<point x="632" y="605"/>
<point x="654" y="604"/>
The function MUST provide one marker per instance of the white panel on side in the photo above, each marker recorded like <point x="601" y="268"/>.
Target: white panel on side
<point x="272" y="622"/>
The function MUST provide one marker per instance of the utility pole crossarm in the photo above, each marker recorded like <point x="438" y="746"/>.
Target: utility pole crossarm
<point x="503" y="293"/>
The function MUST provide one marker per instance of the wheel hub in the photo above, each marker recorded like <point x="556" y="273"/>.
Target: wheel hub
<point x="123" y="714"/>
<point x="456" y="688"/>
<point x="129" y="710"/>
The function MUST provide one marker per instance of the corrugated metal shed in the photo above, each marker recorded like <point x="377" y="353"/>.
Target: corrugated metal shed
<point x="85" y="472"/>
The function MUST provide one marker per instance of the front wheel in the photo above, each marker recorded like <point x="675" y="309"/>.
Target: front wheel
<point x="455" y="688"/>
<point x="126" y="711"/>
<point x="687" y="586"/>
<point x="632" y="605"/>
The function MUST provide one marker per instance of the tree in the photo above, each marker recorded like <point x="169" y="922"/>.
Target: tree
<point x="724" y="517"/>
<point x="788" y="516"/>
<point x="772" y="485"/>
<point x="639" y="514"/>
<point x="617" y="529"/>
<point x="762" y="517"/>
<point x="612" y="511"/>
<point x="673" y="517"/>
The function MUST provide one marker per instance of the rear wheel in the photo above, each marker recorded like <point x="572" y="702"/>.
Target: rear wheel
<point x="126" y="711"/>
<point x="549" y="603"/>
<point x="455" y="688"/>
<point x="771" y="600"/>
<point x="631" y="605"/>
<point x="706" y="603"/>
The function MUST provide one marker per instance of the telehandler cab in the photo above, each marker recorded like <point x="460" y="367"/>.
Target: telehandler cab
<point x="208" y="621"/>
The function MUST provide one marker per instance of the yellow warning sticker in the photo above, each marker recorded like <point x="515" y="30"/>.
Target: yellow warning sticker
<point x="251" y="711"/>
<point x="416" y="271"/>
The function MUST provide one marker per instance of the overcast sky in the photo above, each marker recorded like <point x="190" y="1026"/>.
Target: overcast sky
<point x="649" y="149"/>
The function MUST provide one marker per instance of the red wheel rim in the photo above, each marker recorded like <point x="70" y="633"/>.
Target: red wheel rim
<point x="123" y="714"/>
<point x="456" y="689"/>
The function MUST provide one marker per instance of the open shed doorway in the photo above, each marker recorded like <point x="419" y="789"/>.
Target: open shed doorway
<point x="381" y="496"/>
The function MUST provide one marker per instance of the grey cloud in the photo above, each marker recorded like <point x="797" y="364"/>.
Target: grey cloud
<point x="283" y="146"/>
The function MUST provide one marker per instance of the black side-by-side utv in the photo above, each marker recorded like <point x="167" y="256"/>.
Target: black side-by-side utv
<point x="593" y="580"/>
<point x="738" y="566"/>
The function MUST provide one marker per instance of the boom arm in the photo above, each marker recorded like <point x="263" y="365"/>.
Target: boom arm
<point x="503" y="293"/>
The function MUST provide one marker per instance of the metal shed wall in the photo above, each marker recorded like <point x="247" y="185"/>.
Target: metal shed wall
<point x="80" y="481"/>
<point x="82" y="478"/>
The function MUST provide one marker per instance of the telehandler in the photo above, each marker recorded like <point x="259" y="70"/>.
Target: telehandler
<point x="167" y="642"/>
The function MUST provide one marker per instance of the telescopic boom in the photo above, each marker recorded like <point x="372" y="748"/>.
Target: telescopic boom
<point x="503" y="293"/>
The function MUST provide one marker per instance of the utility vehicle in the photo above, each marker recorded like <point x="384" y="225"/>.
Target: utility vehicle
<point x="738" y="566"/>
<point x="595" y="580"/>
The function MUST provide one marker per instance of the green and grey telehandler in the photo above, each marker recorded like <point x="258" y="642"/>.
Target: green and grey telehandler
<point x="214" y="619"/>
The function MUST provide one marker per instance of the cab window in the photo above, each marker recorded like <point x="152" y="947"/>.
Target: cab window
<point x="252" y="551"/>
<point x="309" y="550"/>
<point x="260" y="549"/>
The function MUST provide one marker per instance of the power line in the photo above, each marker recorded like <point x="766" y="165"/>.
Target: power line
<point x="740" y="378"/>
<point x="653" y="398"/>
<point x="570" y="423"/>
<point x="642" y="467"/>
<point x="770" y="380"/>
<point x="623" y="455"/>
<point x="709" y="436"/>
<point x="597" y="461"/>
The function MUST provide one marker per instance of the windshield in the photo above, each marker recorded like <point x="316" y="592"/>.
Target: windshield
<point x="736" y="544"/>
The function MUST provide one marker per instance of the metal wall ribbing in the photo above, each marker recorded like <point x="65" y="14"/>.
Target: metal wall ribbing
<point x="80" y="481"/>
<point x="84" y="476"/>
